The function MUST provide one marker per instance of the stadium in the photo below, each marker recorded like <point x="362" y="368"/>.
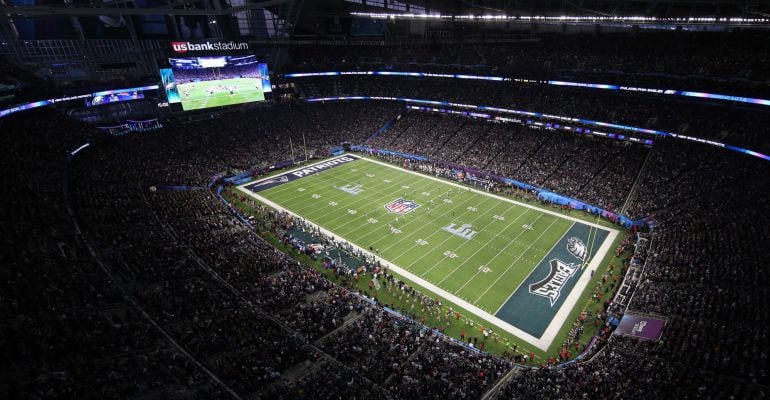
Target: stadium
<point x="384" y="199"/>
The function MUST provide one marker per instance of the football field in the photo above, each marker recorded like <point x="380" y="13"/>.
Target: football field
<point x="204" y="94"/>
<point x="517" y="266"/>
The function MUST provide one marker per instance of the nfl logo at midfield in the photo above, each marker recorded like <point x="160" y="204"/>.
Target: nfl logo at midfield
<point x="401" y="206"/>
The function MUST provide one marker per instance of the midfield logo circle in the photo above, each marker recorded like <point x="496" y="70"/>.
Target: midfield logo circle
<point x="401" y="206"/>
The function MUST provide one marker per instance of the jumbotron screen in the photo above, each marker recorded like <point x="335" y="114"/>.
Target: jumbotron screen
<point x="203" y="82"/>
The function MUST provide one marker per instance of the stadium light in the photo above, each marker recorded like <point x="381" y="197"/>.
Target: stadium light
<point x="636" y="19"/>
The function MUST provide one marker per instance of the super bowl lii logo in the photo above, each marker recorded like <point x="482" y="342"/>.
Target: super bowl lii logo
<point x="464" y="231"/>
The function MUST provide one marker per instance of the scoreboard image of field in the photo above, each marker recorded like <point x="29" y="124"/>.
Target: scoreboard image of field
<point x="204" y="82"/>
<point x="205" y="94"/>
<point x="516" y="266"/>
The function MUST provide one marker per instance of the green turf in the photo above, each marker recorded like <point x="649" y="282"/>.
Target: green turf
<point x="246" y="90"/>
<point x="501" y="245"/>
<point x="510" y="241"/>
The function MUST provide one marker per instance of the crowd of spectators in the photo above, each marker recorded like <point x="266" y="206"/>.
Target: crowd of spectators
<point x="721" y="121"/>
<point x="254" y="140"/>
<point x="241" y="345"/>
<point x="377" y="344"/>
<point x="67" y="330"/>
<point x="133" y="279"/>
<point x="599" y="172"/>
<point x="624" y="369"/>
<point x="159" y="310"/>
<point x="703" y="273"/>
<point x="373" y="343"/>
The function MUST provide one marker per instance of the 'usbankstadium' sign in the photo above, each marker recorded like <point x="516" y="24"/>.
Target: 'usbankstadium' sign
<point x="184" y="47"/>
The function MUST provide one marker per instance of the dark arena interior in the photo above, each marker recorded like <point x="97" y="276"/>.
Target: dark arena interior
<point x="384" y="199"/>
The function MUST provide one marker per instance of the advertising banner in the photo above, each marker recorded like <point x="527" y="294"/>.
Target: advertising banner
<point x="641" y="326"/>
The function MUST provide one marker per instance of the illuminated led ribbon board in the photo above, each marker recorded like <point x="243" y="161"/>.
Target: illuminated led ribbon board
<point x="592" y="19"/>
<point x="43" y="103"/>
<point x="670" y="92"/>
<point x="547" y="125"/>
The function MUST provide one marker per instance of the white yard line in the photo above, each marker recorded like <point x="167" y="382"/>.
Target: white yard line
<point x="318" y="180"/>
<point x="419" y="281"/>
<point x="431" y="235"/>
<point x="533" y="268"/>
<point x="491" y="195"/>
<point x="484" y="247"/>
<point x="352" y="205"/>
<point x="510" y="265"/>
<point x="411" y="217"/>
<point x="544" y="341"/>
<point x="449" y="237"/>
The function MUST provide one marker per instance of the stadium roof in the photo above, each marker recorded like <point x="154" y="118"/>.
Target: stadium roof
<point x="606" y="8"/>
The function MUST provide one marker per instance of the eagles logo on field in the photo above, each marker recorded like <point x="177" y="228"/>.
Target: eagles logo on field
<point x="401" y="206"/>
<point x="577" y="248"/>
<point x="550" y="287"/>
